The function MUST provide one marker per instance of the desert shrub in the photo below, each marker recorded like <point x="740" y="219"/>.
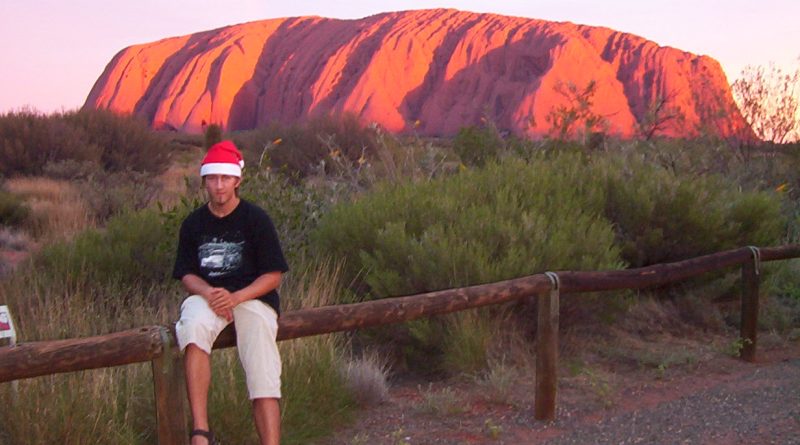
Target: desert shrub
<point x="780" y="307"/>
<point x="30" y="140"/>
<point x="304" y="147"/>
<point x="508" y="220"/>
<point x="13" y="210"/>
<point x="130" y="250"/>
<point x="94" y="139"/>
<point x="477" y="145"/>
<point x="127" y="142"/>
<point x="112" y="193"/>
<point x="212" y="135"/>
<point x="294" y="208"/>
<point x="661" y="216"/>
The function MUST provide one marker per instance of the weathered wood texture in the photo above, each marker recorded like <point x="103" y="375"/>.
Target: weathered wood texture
<point x="749" y="326"/>
<point x="347" y="317"/>
<point x="144" y="344"/>
<point x="546" y="356"/>
<point x="328" y="319"/>
<point x="661" y="274"/>
<point x="52" y="357"/>
<point x="169" y="384"/>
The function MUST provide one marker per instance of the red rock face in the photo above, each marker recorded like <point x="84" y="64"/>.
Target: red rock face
<point x="441" y="69"/>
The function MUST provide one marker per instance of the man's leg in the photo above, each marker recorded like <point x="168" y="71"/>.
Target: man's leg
<point x="267" y="414"/>
<point x="196" y="331"/>
<point x="256" y="330"/>
<point x="198" y="379"/>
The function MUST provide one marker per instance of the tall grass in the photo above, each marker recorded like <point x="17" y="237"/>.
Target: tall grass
<point x="112" y="405"/>
<point x="57" y="209"/>
<point x="103" y="282"/>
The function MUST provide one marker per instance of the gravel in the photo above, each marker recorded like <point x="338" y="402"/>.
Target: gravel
<point x="762" y="407"/>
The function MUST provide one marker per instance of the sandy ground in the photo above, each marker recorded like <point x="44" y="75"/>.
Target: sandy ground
<point x="720" y="400"/>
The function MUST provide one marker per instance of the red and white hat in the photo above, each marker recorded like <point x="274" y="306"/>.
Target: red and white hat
<point x="223" y="158"/>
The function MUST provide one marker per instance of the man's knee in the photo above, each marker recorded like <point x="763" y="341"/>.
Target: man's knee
<point x="191" y="332"/>
<point x="198" y="324"/>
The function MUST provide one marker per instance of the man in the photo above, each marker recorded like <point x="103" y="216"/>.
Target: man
<point x="230" y="261"/>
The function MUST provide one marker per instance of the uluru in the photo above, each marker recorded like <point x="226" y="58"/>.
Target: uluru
<point x="428" y="71"/>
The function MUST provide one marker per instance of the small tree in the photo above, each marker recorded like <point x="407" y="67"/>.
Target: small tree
<point x="477" y="145"/>
<point x="213" y="135"/>
<point x="769" y="100"/>
<point x="659" y="115"/>
<point x="564" y="119"/>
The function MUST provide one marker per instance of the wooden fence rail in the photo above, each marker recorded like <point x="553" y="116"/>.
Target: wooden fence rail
<point x="157" y="343"/>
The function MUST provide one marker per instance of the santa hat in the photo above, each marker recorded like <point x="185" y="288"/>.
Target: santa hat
<point x="223" y="158"/>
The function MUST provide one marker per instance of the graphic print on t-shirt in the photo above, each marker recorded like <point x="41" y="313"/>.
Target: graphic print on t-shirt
<point x="220" y="256"/>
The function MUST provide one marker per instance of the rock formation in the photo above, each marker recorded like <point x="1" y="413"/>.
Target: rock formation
<point x="433" y="71"/>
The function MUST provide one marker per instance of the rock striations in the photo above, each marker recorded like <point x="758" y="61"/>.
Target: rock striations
<point x="433" y="71"/>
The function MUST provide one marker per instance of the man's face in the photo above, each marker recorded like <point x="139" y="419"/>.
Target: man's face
<point x="221" y="188"/>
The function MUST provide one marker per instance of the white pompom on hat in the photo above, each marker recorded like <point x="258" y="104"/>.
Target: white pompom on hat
<point x="223" y="158"/>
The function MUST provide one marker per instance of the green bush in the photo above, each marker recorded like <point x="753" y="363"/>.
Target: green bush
<point x="129" y="251"/>
<point x="294" y="208"/>
<point x="508" y="220"/>
<point x="13" y="210"/>
<point x="661" y="216"/>
<point x="477" y="146"/>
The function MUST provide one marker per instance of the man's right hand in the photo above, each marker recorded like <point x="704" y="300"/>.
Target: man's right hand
<point x="221" y="302"/>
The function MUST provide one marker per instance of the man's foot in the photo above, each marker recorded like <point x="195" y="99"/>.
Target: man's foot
<point x="202" y="437"/>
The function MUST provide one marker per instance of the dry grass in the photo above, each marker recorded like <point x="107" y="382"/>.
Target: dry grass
<point x="499" y="381"/>
<point x="57" y="208"/>
<point x="366" y="378"/>
<point x="444" y="402"/>
<point x="183" y="171"/>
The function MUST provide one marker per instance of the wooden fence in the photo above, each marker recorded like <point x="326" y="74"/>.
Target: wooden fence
<point x="157" y="345"/>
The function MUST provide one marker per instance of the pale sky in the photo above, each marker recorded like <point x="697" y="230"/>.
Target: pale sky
<point x="52" y="51"/>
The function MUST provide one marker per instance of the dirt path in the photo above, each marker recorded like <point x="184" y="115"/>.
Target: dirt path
<point x="719" y="401"/>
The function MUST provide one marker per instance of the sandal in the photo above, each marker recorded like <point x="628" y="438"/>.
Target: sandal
<point x="207" y="434"/>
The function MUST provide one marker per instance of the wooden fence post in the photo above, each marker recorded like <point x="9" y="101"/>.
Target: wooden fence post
<point x="749" y="328"/>
<point x="547" y="352"/>
<point x="170" y="393"/>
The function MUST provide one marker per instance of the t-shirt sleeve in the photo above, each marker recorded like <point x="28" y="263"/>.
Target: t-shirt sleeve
<point x="186" y="257"/>
<point x="268" y="252"/>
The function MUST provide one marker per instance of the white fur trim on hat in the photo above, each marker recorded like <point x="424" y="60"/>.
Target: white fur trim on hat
<point x="221" y="168"/>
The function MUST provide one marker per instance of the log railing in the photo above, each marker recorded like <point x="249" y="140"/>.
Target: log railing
<point x="157" y="343"/>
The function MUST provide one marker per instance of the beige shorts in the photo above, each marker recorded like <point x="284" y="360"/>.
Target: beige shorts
<point x="256" y="330"/>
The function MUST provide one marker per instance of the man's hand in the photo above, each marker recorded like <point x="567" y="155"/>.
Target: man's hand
<point x="222" y="302"/>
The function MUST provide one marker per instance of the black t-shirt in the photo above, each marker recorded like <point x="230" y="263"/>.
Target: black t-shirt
<point x="232" y="251"/>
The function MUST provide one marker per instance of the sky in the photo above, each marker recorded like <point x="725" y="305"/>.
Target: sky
<point x="53" y="51"/>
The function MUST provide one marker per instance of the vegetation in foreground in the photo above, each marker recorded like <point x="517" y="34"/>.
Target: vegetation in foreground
<point x="402" y="216"/>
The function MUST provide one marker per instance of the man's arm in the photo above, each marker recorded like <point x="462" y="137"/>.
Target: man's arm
<point x="262" y="285"/>
<point x="221" y="301"/>
<point x="196" y="285"/>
